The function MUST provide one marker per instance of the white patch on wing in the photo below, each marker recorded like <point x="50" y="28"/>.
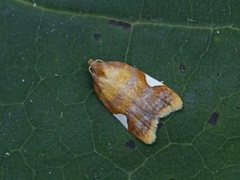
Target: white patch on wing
<point x="153" y="82"/>
<point x="123" y="119"/>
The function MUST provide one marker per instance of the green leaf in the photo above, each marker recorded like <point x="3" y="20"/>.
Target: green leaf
<point x="52" y="125"/>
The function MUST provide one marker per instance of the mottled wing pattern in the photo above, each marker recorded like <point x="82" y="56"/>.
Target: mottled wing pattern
<point x="136" y="99"/>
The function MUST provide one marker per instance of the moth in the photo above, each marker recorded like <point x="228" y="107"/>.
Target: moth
<point x="136" y="99"/>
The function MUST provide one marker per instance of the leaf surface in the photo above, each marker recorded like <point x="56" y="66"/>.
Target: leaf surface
<point x="52" y="124"/>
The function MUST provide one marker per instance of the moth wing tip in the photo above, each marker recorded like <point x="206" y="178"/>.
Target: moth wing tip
<point x="150" y="136"/>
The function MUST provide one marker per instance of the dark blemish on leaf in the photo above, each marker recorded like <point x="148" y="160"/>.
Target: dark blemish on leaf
<point x="213" y="119"/>
<point x="96" y="36"/>
<point x="238" y="108"/>
<point x="182" y="68"/>
<point x="120" y="23"/>
<point x="130" y="144"/>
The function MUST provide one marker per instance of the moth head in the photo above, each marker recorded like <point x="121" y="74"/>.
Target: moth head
<point x="103" y="69"/>
<point x="93" y="64"/>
